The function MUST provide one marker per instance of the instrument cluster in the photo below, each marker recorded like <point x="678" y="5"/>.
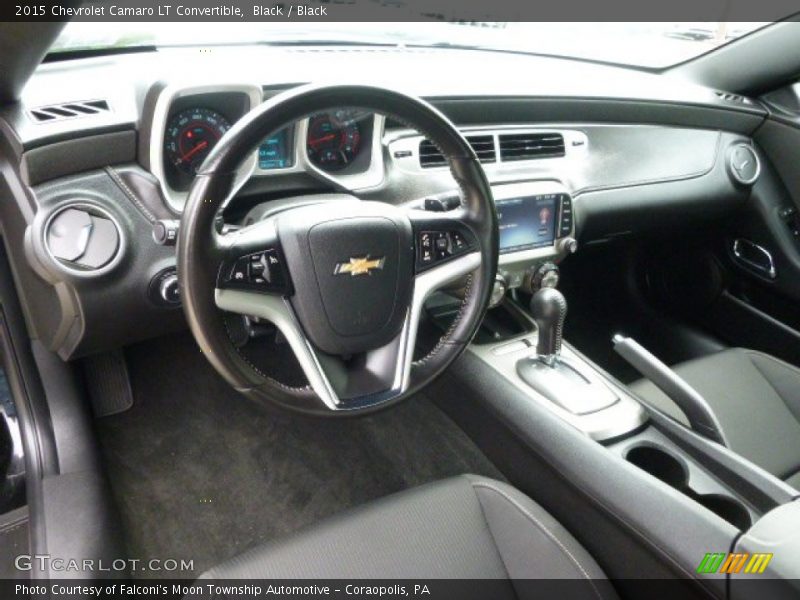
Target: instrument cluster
<point x="335" y="141"/>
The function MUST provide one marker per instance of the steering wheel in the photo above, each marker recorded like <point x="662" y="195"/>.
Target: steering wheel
<point x="344" y="281"/>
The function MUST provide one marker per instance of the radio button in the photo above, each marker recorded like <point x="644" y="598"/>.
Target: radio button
<point x="565" y="225"/>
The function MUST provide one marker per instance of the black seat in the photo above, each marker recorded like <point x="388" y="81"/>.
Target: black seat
<point x="756" y="399"/>
<point x="466" y="527"/>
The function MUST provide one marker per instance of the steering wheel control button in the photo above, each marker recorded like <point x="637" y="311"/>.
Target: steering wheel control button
<point x="239" y="272"/>
<point x="426" y="247"/>
<point x="442" y="245"/>
<point x="459" y="242"/>
<point x="435" y="247"/>
<point x="260" y="271"/>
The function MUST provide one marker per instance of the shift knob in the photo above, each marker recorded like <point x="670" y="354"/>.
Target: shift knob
<point x="549" y="309"/>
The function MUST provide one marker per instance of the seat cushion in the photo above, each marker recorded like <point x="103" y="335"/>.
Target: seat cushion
<point x="466" y="527"/>
<point x="756" y="398"/>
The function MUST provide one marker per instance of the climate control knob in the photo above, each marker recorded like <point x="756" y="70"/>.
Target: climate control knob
<point x="544" y="276"/>
<point x="568" y="245"/>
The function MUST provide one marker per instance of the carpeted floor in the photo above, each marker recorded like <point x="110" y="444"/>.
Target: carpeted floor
<point x="201" y="473"/>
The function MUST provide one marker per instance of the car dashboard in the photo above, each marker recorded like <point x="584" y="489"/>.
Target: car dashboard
<point x="576" y="155"/>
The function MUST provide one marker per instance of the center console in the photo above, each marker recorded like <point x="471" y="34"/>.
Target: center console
<point x="609" y="466"/>
<point x="557" y="377"/>
<point x="579" y="439"/>
<point x="536" y="227"/>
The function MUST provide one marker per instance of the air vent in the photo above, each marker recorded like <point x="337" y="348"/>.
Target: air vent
<point x="734" y="98"/>
<point x="82" y="238"/>
<point x="429" y="155"/>
<point x="69" y="110"/>
<point x="527" y="146"/>
<point x="484" y="147"/>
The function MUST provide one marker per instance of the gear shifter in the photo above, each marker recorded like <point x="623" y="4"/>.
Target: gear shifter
<point x="549" y="309"/>
<point x="567" y="382"/>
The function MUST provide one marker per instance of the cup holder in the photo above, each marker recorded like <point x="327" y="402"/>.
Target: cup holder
<point x="727" y="508"/>
<point x="662" y="465"/>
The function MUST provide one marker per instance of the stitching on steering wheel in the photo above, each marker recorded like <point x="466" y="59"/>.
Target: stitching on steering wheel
<point x="443" y="340"/>
<point x="249" y="363"/>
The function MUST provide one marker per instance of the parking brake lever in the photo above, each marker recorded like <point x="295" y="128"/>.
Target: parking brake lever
<point x="701" y="417"/>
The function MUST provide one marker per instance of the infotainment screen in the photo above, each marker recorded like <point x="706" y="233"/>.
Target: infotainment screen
<point x="275" y="151"/>
<point x="527" y="222"/>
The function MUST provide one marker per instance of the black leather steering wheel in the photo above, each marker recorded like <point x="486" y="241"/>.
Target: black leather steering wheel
<point x="345" y="280"/>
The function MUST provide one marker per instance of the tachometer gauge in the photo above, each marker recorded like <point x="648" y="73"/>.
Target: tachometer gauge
<point x="334" y="139"/>
<point x="190" y="136"/>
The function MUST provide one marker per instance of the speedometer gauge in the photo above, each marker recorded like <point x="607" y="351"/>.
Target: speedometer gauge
<point x="334" y="139"/>
<point x="190" y="136"/>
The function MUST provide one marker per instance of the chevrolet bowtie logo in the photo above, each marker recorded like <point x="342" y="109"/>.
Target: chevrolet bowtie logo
<point x="359" y="266"/>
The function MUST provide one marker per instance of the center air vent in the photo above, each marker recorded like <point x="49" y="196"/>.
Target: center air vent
<point x="429" y="155"/>
<point x="69" y="110"/>
<point x="527" y="146"/>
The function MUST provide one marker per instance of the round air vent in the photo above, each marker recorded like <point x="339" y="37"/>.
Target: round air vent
<point x="82" y="237"/>
<point x="743" y="164"/>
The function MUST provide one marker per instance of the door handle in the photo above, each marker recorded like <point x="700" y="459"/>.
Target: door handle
<point x="754" y="257"/>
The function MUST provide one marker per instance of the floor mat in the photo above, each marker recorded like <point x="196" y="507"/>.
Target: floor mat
<point x="201" y="473"/>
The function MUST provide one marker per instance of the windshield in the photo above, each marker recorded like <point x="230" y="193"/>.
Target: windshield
<point x="638" y="44"/>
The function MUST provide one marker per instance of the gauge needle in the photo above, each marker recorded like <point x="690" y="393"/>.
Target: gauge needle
<point x="200" y="146"/>
<point x="324" y="138"/>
